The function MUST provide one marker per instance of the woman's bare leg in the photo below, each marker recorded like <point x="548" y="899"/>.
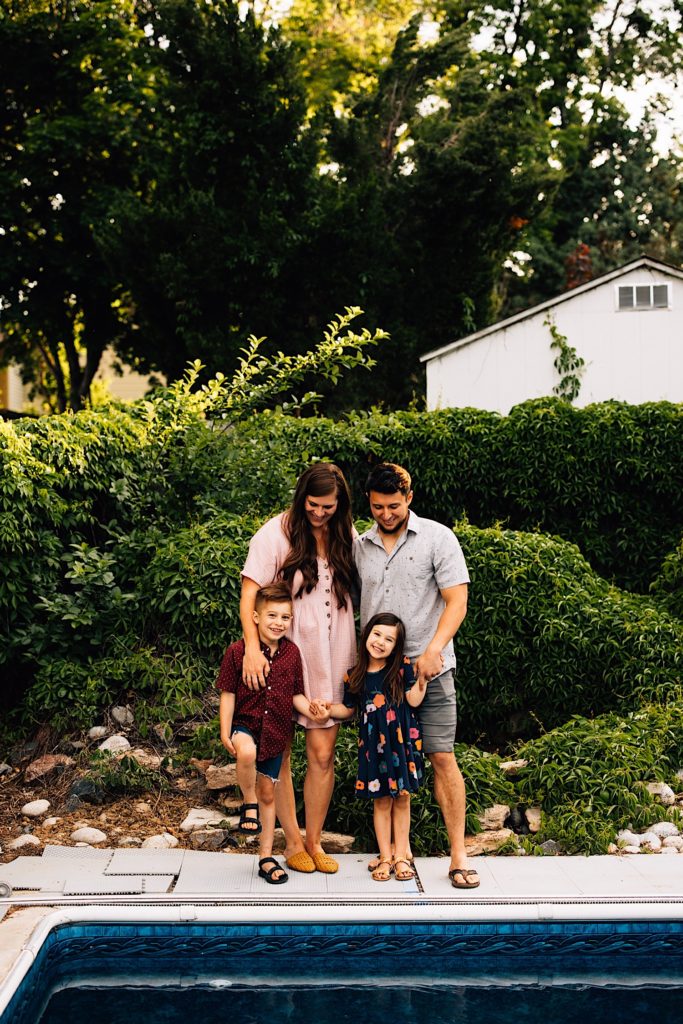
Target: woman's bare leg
<point x="285" y="807"/>
<point x="319" y="782"/>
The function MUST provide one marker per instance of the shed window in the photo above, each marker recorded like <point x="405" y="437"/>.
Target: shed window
<point x="643" y="296"/>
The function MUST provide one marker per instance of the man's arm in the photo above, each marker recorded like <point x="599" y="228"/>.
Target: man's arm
<point x="430" y="663"/>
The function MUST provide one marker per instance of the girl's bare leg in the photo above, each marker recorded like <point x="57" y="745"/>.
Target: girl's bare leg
<point x="400" y="818"/>
<point x="382" y="823"/>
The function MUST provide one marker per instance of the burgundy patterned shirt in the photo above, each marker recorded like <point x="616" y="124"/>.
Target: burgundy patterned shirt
<point x="266" y="712"/>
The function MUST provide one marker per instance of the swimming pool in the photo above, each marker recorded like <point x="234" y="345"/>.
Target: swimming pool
<point x="347" y="970"/>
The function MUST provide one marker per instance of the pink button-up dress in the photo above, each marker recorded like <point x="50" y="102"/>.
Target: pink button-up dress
<point x="324" y="633"/>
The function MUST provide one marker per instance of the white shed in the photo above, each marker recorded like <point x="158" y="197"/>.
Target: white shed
<point x="627" y="326"/>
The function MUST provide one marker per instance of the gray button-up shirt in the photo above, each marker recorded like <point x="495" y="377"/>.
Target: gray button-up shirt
<point x="427" y="559"/>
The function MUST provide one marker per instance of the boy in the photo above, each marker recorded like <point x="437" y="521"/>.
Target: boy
<point x="256" y="725"/>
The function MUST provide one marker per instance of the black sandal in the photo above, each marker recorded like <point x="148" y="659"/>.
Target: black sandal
<point x="268" y="873"/>
<point x="244" y="820"/>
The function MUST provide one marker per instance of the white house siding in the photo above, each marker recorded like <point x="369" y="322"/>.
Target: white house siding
<point x="635" y="356"/>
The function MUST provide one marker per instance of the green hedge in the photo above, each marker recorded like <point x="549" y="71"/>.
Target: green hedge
<point x="607" y="477"/>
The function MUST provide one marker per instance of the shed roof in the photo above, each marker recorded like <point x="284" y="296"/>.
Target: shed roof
<point x="642" y="261"/>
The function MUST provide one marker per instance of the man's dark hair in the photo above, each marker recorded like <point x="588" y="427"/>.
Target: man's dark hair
<point x="387" y="478"/>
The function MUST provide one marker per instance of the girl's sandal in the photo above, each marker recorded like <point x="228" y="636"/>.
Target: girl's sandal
<point x="383" y="871"/>
<point x="374" y="863"/>
<point x="404" y="874"/>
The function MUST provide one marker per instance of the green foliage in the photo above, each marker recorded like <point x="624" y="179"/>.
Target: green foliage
<point x="568" y="363"/>
<point x="589" y="776"/>
<point x="607" y="477"/>
<point x="667" y="587"/>
<point x="117" y="775"/>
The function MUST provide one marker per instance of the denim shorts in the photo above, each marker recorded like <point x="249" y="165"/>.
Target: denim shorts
<point x="438" y="714"/>
<point x="269" y="766"/>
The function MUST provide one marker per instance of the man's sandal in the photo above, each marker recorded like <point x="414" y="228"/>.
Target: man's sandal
<point x="463" y="882"/>
<point x="403" y="874"/>
<point x="249" y="826"/>
<point x="383" y="871"/>
<point x="269" y="873"/>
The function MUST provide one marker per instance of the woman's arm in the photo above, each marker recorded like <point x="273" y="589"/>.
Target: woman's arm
<point x="255" y="667"/>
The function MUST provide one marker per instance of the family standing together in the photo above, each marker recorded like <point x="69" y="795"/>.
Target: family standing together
<point x="298" y="660"/>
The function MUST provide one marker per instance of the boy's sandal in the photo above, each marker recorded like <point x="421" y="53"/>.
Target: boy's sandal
<point x="269" y="873"/>
<point x="382" y="873"/>
<point x="249" y="826"/>
<point x="372" y="864"/>
<point x="404" y="874"/>
<point x="460" y="878"/>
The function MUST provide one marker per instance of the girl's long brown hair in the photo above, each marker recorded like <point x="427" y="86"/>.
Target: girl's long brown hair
<point x="393" y="681"/>
<point x="315" y="482"/>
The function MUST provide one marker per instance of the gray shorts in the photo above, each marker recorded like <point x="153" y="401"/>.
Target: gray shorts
<point x="438" y="714"/>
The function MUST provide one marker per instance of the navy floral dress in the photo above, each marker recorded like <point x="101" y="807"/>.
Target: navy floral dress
<point x="390" y="760"/>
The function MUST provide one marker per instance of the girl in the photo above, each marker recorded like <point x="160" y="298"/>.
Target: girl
<point x="382" y="686"/>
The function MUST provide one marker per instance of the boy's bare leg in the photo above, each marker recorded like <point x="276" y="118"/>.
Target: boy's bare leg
<point x="245" y="751"/>
<point x="319" y="783"/>
<point x="265" y="788"/>
<point x="285" y="807"/>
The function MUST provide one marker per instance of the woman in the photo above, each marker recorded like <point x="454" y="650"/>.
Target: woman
<point x="310" y="547"/>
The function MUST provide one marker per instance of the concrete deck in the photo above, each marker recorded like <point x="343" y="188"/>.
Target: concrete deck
<point x="68" y="884"/>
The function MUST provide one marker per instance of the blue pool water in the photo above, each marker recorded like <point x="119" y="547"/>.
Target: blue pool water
<point x="355" y="974"/>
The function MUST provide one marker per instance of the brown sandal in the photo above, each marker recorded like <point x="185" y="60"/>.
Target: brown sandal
<point x="405" y="874"/>
<point x="381" y="874"/>
<point x="374" y="863"/>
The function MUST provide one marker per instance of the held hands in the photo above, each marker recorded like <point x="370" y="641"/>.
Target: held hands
<point x="319" y="711"/>
<point x="255" y="669"/>
<point x="428" y="666"/>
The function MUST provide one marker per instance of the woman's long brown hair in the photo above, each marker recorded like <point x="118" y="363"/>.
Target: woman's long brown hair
<point x="393" y="681"/>
<point x="315" y="482"/>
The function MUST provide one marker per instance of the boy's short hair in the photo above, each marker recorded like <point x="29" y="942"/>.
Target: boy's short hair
<point x="387" y="478"/>
<point x="276" y="593"/>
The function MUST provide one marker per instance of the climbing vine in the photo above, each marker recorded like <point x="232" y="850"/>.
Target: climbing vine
<point x="568" y="363"/>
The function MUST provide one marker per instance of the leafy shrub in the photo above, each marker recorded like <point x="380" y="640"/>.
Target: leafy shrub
<point x="589" y="775"/>
<point x="125" y="774"/>
<point x="607" y="477"/>
<point x="545" y="638"/>
<point x="667" y="588"/>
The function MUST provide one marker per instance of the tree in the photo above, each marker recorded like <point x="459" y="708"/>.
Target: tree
<point x="78" y="100"/>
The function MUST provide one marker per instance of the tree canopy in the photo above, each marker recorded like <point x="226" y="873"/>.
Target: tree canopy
<point x="178" y="175"/>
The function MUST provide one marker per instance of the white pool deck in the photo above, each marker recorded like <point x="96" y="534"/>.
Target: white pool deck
<point x="72" y="884"/>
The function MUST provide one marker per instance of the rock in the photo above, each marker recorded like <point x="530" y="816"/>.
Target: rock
<point x="36" y="808"/>
<point x="672" y="842"/>
<point x="661" y="791"/>
<point x="164" y="841"/>
<point x="146" y="758"/>
<point x="513" y="767"/>
<point x="22" y="841"/>
<point x="75" y="746"/>
<point x="199" y="817"/>
<point x="668" y="850"/>
<point x="209" y="838"/>
<point x="89" y="835"/>
<point x="115" y="744"/>
<point x="98" y="732"/>
<point x="493" y="818"/>
<point x="679" y="774"/>
<point x="533" y="818"/>
<point x="122" y="716"/>
<point x="630" y="849"/>
<point x="628" y="838"/>
<point x="612" y="848"/>
<point x="202" y="765"/>
<point x="487" y="842"/>
<point x="130" y="841"/>
<point x="664" y="829"/>
<point x="223" y="777"/>
<point x="650" y="841"/>
<point x="45" y="765"/>
<point x="5" y="769"/>
<point x="142" y="807"/>
<point x="49" y="822"/>
<point x="88" y="791"/>
<point x="229" y="801"/>
<point x="550" y="848"/>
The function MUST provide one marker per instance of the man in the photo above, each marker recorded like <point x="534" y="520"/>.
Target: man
<point x="415" y="568"/>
